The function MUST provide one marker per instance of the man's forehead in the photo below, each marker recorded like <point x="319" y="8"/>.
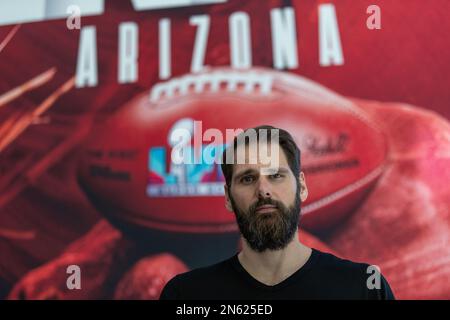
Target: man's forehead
<point x="254" y="151"/>
<point x="255" y="160"/>
<point x="245" y="168"/>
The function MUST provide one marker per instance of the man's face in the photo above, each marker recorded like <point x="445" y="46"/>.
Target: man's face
<point x="267" y="206"/>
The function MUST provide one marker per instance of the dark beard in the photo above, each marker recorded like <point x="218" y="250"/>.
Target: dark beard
<point x="272" y="230"/>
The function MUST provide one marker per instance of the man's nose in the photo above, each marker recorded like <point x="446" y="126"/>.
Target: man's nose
<point x="264" y="187"/>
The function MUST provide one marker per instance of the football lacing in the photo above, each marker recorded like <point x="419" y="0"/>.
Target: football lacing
<point x="248" y="82"/>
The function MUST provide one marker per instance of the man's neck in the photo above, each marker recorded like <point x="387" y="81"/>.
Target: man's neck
<point x="273" y="266"/>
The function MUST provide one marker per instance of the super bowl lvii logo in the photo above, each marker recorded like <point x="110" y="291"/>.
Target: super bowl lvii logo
<point x="183" y="174"/>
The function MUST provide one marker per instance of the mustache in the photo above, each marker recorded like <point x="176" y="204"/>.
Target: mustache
<point x="265" y="201"/>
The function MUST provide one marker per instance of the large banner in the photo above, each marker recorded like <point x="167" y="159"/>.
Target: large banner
<point x="93" y="204"/>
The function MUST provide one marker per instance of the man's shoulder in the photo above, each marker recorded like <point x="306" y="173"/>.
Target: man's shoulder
<point x="193" y="281"/>
<point x="206" y="272"/>
<point x="330" y="265"/>
<point x="361" y="277"/>
<point x="332" y="262"/>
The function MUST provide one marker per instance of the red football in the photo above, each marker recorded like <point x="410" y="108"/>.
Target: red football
<point x="127" y="164"/>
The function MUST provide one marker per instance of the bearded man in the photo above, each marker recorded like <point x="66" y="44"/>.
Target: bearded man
<point x="273" y="263"/>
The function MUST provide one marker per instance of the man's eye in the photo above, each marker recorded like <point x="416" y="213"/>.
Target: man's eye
<point x="247" y="179"/>
<point x="277" y="176"/>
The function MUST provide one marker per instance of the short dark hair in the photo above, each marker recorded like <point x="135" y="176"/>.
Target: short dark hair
<point x="285" y="141"/>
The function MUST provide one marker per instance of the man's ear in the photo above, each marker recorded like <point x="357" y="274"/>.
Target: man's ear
<point x="227" y="199"/>
<point x="303" y="187"/>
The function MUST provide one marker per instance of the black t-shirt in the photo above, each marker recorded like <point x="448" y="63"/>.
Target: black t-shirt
<point x="323" y="276"/>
